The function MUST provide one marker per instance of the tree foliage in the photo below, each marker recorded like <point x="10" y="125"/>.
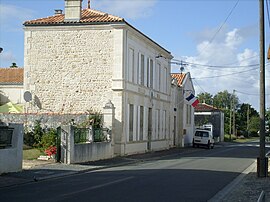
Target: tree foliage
<point x="205" y="98"/>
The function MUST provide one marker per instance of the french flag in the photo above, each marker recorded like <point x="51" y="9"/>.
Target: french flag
<point x="192" y="100"/>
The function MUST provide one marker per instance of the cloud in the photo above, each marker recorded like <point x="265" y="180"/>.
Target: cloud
<point x="10" y="15"/>
<point x="127" y="9"/>
<point x="7" y="57"/>
<point x="223" y="52"/>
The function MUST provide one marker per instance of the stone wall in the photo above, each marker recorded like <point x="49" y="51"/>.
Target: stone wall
<point x="68" y="69"/>
<point x="49" y="120"/>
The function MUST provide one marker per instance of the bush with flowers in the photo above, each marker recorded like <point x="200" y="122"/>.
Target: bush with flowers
<point x="50" y="151"/>
<point x="48" y="142"/>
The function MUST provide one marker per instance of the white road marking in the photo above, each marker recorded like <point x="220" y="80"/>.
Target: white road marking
<point x="97" y="186"/>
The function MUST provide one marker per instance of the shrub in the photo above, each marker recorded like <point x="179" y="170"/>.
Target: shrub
<point x="94" y="119"/>
<point x="227" y="137"/>
<point x="49" y="139"/>
<point x="37" y="133"/>
<point x="28" y="138"/>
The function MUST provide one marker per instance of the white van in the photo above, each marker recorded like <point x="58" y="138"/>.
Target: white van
<point x="204" y="138"/>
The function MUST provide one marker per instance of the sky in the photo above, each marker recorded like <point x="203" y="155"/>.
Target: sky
<point x="218" y="39"/>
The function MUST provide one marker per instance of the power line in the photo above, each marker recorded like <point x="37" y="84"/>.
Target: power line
<point x="267" y="10"/>
<point x="210" y="77"/>
<point x="218" y="66"/>
<point x="254" y="94"/>
<point x="214" y="36"/>
<point x="199" y="86"/>
<point x="222" y="66"/>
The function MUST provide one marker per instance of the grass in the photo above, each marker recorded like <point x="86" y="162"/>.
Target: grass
<point x="246" y="139"/>
<point x="239" y="140"/>
<point x="32" y="153"/>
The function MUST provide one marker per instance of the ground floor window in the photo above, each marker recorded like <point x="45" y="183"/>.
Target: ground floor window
<point x="131" y="114"/>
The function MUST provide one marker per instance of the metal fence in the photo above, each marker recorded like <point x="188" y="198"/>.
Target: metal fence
<point x="81" y="135"/>
<point x="86" y="135"/>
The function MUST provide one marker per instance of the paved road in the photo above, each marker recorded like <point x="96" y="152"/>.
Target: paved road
<point x="196" y="176"/>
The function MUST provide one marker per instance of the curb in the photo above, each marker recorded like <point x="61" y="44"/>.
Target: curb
<point x="228" y="189"/>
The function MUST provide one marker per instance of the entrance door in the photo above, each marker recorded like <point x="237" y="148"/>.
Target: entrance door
<point x="174" y="130"/>
<point x="149" y="129"/>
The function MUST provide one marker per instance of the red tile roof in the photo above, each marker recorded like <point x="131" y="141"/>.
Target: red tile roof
<point x="88" y="16"/>
<point x="202" y="107"/>
<point x="179" y="77"/>
<point x="11" y="76"/>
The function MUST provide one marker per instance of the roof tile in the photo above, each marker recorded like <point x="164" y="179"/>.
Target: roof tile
<point x="179" y="77"/>
<point x="88" y="16"/>
<point x="11" y="75"/>
<point x="203" y="107"/>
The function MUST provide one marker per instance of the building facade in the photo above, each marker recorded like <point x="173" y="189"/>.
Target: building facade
<point x="186" y="124"/>
<point x="207" y="114"/>
<point x="77" y="61"/>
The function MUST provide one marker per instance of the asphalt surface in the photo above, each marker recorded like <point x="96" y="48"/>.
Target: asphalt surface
<point x="184" y="174"/>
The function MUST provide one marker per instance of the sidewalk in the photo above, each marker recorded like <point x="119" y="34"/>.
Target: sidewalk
<point x="247" y="188"/>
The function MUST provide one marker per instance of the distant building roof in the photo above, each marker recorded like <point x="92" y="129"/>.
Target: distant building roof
<point x="202" y="107"/>
<point x="88" y="16"/>
<point x="179" y="77"/>
<point x="11" y="76"/>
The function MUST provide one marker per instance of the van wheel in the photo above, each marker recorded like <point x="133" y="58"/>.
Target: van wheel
<point x="208" y="145"/>
<point x="212" y="146"/>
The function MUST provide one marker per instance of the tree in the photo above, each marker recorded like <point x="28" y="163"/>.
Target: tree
<point x="246" y="114"/>
<point x="254" y="125"/>
<point x="205" y="98"/>
<point x="223" y="100"/>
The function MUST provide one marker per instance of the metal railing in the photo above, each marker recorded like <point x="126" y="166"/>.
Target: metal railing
<point x="86" y="135"/>
<point x="80" y="135"/>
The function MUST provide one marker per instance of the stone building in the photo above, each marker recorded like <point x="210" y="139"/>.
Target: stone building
<point x="79" y="60"/>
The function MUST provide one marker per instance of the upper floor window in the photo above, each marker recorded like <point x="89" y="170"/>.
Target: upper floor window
<point x="157" y="77"/>
<point x="150" y="72"/>
<point x="131" y="69"/>
<point x="141" y="69"/>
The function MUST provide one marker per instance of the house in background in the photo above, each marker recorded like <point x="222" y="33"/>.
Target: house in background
<point x="11" y="85"/>
<point x="79" y="60"/>
<point x="187" y="111"/>
<point x="207" y="114"/>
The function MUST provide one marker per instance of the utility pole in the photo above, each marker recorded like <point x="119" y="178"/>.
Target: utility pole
<point x="262" y="161"/>
<point x="233" y="100"/>
<point x="231" y="122"/>
<point x="248" y="120"/>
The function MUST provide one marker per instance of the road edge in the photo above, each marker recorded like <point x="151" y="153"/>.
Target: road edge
<point x="230" y="187"/>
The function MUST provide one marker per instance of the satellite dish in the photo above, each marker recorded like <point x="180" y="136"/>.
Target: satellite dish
<point x="27" y="96"/>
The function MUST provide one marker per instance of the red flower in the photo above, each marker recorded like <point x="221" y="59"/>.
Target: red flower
<point x="50" y="150"/>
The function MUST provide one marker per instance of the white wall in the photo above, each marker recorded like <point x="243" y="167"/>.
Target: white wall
<point x="11" y="158"/>
<point x="188" y="125"/>
<point x="152" y="93"/>
<point x="11" y="93"/>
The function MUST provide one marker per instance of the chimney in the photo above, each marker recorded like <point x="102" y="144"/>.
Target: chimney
<point x="73" y="10"/>
<point x="58" y="12"/>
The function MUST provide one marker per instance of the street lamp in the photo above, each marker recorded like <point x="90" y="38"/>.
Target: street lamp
<point x="1" y="49"/>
